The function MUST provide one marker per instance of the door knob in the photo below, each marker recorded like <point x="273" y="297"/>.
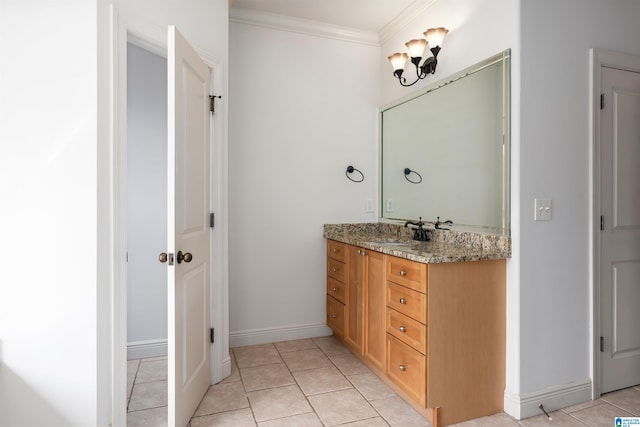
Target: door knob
<point x="163" y="257"/>
<point x="186" y="257"/>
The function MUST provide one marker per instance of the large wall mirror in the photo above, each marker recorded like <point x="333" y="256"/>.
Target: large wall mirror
<point x="445" y="151"/>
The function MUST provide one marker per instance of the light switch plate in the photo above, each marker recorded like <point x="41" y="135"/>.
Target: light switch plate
<point x="543" y="210"/>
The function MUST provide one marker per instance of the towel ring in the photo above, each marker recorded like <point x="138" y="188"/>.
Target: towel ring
<point x="408" y="171"/>
<point x="351" y="169"/>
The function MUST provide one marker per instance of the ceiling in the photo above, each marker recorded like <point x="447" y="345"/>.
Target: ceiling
<point x="365" y="15"/>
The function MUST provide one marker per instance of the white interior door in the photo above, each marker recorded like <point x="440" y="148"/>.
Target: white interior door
<point x="188" y="231"/>
<point x="620" y="234"/>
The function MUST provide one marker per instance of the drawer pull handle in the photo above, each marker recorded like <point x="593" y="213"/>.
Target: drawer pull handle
<point x="403" y="273"/>
<point x="403" y="368"/>
<point x="334" y="250"/>
<point x="403" y="301"/>
<point x="403" y="329"/>
<point x="333" y="316"/>
<point x="334" y="269"/>
<point x="335" y="289"/>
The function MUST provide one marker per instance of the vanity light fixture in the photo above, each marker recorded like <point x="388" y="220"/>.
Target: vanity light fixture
<point x="432" y="37"/>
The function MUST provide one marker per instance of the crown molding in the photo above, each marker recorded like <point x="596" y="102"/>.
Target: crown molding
<point x="404" y="19"/>
<point x="302" y="26"/>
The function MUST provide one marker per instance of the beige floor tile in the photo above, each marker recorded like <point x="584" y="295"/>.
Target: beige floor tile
<point x="239" y="418"/>
<point x="581" y="406"/>
<point x="259" y="355"/>
<point x="371" y="387"/>
<point x="268" y="376"/>
<point x="304" y="420"/>
<point x="600" y="415"/>
<point x="306" y="359"/>
<point x="321" y="380"/>
<point x="349" y="364"/>
<point x="148" y="395"/>
<point x="152" y="370"/>
<point x="156" y="417"/>
<point x="372" y="422"/>
<point x="297" y="345"/>
<point x="331" y="345"/>
<point x="278" y="403"/>
<point x="397" y="412"/>
<point x="627" y="399"/>
<point x="559" y="419"/>
<point x="498" y="420"/>
<point x="222" y="398"/>
<point x="341" y="407"/>
<point x="130" y="379"/>
<point x="132" y="366"/>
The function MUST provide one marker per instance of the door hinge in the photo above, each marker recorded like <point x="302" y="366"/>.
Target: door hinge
<point x="212" y="220"/>
<point x="212" y="335"/>
<point x="601" y="222"/>
<point x="602" y="101"/>
<point x="212" y="106"/>
<point x="601" y="344"/>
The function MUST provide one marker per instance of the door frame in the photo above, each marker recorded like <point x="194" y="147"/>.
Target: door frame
<point x="154" y="38"/>
<point x="599" y="58"/>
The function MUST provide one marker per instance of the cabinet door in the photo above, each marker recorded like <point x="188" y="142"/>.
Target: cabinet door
<point x="354" y="333"/>
<point x="375" y="310"/>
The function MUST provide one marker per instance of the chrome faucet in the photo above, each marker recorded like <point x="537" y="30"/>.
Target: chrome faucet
<point x="419" y="233"/>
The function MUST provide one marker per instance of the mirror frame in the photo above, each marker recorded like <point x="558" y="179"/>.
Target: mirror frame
<point x="505" y="228"/>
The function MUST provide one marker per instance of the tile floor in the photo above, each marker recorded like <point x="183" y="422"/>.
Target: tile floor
<point x="318" y="382"/>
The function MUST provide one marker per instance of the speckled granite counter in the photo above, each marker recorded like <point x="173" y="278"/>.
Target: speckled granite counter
<point x="445" y="245"/>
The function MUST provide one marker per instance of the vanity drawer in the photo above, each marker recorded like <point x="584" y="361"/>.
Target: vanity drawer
<point x="336" y="270"/>
<point x="336" y="250"/>
<point x="335" y="316"/>
<point x="407" y="302"/>
<point x="407" y="330"/>
<point x="407" y="273"/>
<point x="336" y="289"/>
<point x="407" y="369"/>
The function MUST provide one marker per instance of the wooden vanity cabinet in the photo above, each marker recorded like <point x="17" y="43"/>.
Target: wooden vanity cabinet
<point x="436" y="332"/>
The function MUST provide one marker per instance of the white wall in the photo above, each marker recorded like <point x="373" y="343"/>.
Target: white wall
<point x="554" y="163"/>
<point x="55" y="221"/>
<point x="49" y="220"/>
<point x="146" y="203"/>
<point x="302" y="108"/>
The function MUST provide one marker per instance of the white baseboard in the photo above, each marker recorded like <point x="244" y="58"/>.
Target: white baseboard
<point x="277" y="334"/>
<point x="527" y="405"/>
<point x="148" y="348"/>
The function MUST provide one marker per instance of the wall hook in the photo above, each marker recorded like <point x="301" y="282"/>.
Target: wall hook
<point x="351" y="169"/>
<point x="408" y="171"/>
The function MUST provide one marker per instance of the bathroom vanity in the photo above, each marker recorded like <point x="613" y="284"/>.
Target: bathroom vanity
<point x="427" y="317"/>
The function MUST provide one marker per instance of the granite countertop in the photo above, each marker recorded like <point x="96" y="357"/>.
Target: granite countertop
<point x="445" y="245"/>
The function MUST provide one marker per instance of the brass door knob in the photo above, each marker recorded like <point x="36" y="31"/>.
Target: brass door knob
<point x="163" y="257"/>
<point x="186" y="257"/>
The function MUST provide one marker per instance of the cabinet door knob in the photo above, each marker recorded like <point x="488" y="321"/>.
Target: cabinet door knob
<point x="403" y="329"/>
<point x="403" y="368"/>
<point x="334" y="269"/>
<point x="333" y="316"/>
<point x="364" y="253"/>
<point x="359" y="252"/>
<point x="403" y="273"/>
<point x="334" y="250"/>
<point x="335" y="289"/>
<point x="403" y="301"/>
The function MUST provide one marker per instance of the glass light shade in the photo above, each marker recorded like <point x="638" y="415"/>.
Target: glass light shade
<point x="435" y="36"/>
<point x="398" y="60"/>
<point x="416" y="47"/>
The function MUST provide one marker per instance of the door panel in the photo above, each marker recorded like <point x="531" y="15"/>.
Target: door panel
<point x="620" y="237"/>
<point x="188" y="228"/>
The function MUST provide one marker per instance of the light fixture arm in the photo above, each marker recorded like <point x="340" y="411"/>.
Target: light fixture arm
<point x="428" y="67"/>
